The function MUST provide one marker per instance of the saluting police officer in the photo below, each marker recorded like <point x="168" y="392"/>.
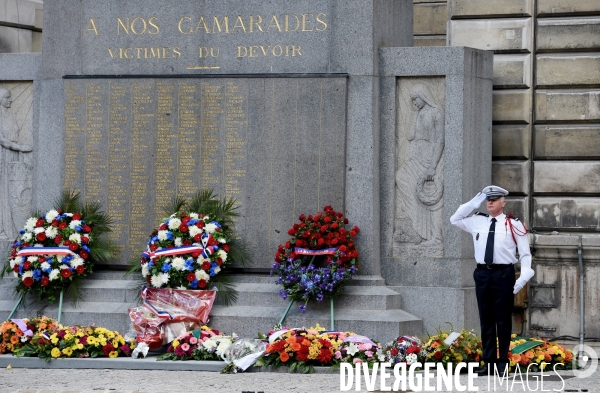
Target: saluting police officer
<point x="496" y="238"/>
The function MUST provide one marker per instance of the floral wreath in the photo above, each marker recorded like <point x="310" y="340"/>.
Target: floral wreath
<point x="319" y="258"/>
<point x="185" y="252"/>
<point x="58" y="249"/>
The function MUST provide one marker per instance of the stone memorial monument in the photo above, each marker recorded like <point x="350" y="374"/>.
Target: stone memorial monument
<point x="287" y="107"/>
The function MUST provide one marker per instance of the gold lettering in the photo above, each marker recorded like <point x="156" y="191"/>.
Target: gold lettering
<point x="203" y="23"/>
<point x="257" y="23"/>
<point x="280" y="50"/>
<point x="212" y="51"/>
<point x="265" y="51"/>
<point x="123" y="25"/>
<point x="240" y="25"/>
<point x="138" y="52"/>
<point x="155" y="54"/>
<point x="218" y="25"/>
<point x="321" y="21"/>
<point x="125" y="53"/>
<point x="287" y="50"/>
<point x="287" y="22"/>
<point x="252" y="48"/>
<point x="274" y="19"/>
<point x="296" y="48"/>
<point x="112" y="55"/>
<point x="240" y="51"/>
<point x="203" y="51"/>
<point x="151" y="23"/>
<point x="91" y="26"/>
<point x="164" y="53"/>
<point x="179" y="25"/>
<point x="305" y="21"/>
<point x="143" y="24"/>
<point x="177" y="52"/>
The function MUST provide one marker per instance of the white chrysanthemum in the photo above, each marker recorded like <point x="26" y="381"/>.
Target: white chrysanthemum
<point x="63" y="266"/>
<point x="411" y="358"/>
<point x="194" y="215"/>
<point x="145" y="270"/>
<point x="32" y="258"/>
<point x="206" y="217"/>
<point x="209" y="344"/>
<point x="77" y="261"/>
<point x="74" y="224"/>
<point x="178" y="263"/>
<point x="26" y="237"/>
<point x="174" y="223"/>
<point x="210" y="228"/>
<point x="38" y="230"/>
<point x="52" y="232"/>
<point x="181" y="287"/>
<point x="28" y="273"/>
<point x="30" y="224"/>
<point x="178" y="242"/>
<point x="224" y="343"/>
<point x="202" y="275"/>
<point x="217" y="270"/>
<point x="222" y="240"/>
<point x="75" y="238"/>
<point x="14" y="262"/>
<point x="201" y="259"/>
<point x="222" y="254"/>
<point x="45" y="265"/>
<point x="51" y="215"/>
<point x="156" y="281"/>
<point x="59" y="258"/>
<point x="162" y="235"/>
<point x="164" y="278"/>
<point x="194" y="230"/>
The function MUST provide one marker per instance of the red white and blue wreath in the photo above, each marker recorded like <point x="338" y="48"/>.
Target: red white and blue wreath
<point x="319" y="259"/>
<point x="185" y="252"/>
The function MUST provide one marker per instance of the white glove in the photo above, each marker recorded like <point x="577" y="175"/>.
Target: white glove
<point x="518" y="286"/>
<point x="477" y="200"/>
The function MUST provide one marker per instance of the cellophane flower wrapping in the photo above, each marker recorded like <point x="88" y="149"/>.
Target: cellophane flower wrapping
<point x="244" y="352"/>
<point x="167" y="313"/>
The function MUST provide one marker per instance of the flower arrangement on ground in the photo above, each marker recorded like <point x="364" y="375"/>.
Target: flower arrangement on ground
<point x="550" y="353"/>
<point x="359" y="349"/>
<point x="319" y="259"/>
<point x="466" y="348"/>
<point x="302" y="349"/>
<point x="405" y="349"/>
<point x="77" y="342"/>
<point x="200" y="344"/>
<point x="56" y="250"/>
<point x="193" y="245"/>
<point x="15" y="333"/>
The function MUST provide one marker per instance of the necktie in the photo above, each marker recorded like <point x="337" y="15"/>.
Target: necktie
<point x="489" y="247"/>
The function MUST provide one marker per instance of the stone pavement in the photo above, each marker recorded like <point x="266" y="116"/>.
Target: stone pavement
<point x="22" y="380"/>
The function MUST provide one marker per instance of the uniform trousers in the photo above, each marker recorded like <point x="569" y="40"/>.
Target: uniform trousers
<point x="495" y="300"/>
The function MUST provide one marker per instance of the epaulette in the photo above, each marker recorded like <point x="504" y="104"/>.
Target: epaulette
<point x="482" y="214"/>
<point x="512" y="217"/>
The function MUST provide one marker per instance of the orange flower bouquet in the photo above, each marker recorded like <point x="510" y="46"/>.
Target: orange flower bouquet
<point x="545" y="355"/>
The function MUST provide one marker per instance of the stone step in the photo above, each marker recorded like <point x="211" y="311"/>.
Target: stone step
<point x="359" y="280"/>
<point x="358" y="297"/>
<point x="381" y="325"/>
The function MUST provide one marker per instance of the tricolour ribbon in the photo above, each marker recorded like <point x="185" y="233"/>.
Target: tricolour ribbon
<point x="174" y="251"/>
<point x="306" y="251"/>
<point x="159" y="313"/>
<point x="28" y="251"/>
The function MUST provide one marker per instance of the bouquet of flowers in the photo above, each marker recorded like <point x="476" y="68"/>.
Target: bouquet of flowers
<point x="18" y="332"/>
<point x="466" y="348"/>
<point x="359" y="349"/>
<point x="58" y="248"/>
<point x="200" y="344"/>
<point x="193" y="245"/>
<point x="319" y="259"/>
<point x="549" y="353"/>
<point x="76" y="342"/>
<point x="242" y="354"/>
<point x="408" y="349"/>
<point x="302" y="349"/>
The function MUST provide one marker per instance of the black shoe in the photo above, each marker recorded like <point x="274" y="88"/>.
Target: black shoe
<point x="482" y="371"/>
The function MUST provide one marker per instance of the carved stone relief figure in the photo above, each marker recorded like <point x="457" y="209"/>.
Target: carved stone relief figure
<point x="15" y="159"/>
<point x="419" y="178"/>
